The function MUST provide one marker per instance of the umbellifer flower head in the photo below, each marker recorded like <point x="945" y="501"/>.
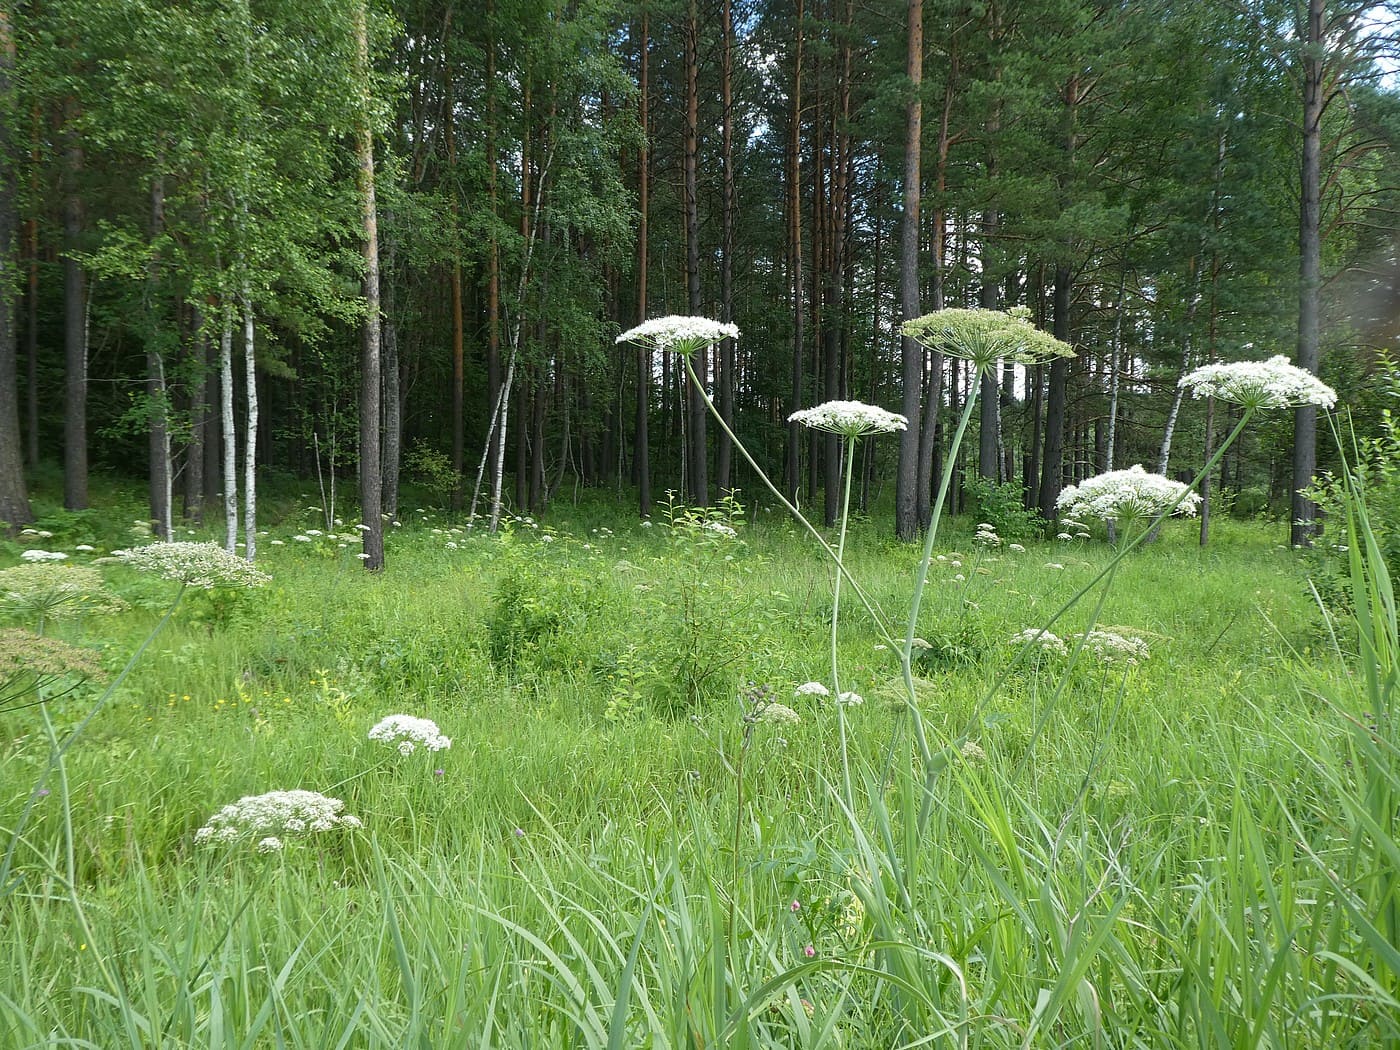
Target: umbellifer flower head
<point x="278" y="813"/>
<point x="812" y="689"/>
<point x="204" y="565"/>
<point x="983" y="336"/>
<point x="777" y="714"/>
<point x="850" y="419"/>
<point x="1125" y="495"/>
<point x="407" y="732"/>
<point x="1112" y="647"/>
<point x="681" y="335"/>
<point x="1274" y="383"/>
<point x="1043" y="639"/>
<point x="50" y="590"/>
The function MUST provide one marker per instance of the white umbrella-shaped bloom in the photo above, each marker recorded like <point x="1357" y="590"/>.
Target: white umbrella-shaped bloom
<point x="851" y="419"/>
<point x="1126" y="495"/>
<point x="984" y="336"/>
<point x="1274" y="383"/>
<point x="678" y="334"/>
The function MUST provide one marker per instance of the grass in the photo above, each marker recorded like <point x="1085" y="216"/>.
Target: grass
<point x="1195" y="851"/>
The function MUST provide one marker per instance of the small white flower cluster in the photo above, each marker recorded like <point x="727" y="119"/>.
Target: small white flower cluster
<point x="777" y="715"/>
<point x="37" y="555"/>
<point x="719" y="528"/>
<point x="850" y="419"/>
<point x="682" y="335"/>
<point x="1044" y="639"/>
<point x="277" y="813"/>
<point x="849" y="699"/>
<point x="812" y="689"/>
<point x="43" y="534"/>
<point x="407" y="733"/>
<point x="1125" y="495"/>
<point x="1260" y="384"/>
<point x="1016" y="547"/>
<point x="1111" y="647"/>
<point x="987" y="535"/>
<point x="204" y="565"/>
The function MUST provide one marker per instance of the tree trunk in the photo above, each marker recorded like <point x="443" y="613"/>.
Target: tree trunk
<point x="455" y="278"/>
<point x="1304" y="512"/>
<point x="393" y="395"/>
<point x="14" y="498"/>
<point x="723" y="451"/>
<point x="493" y="252"/>
<point x="792" y="472"/>
<point x="198" y="356"/>
<point x="75" y="457"/>
<point x="641" y="456"/>
<point x="1051" y="469"/>
<point x="229" y="441"/>
<point x="907" y="523"/>
<point x="371" y="497"/>
<point x="158" y="445"/>
<point x="697" y="460"/>
<point x="250" y="435"/>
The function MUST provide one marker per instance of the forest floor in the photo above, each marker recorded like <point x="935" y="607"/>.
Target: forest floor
<point x="625" y="845"/>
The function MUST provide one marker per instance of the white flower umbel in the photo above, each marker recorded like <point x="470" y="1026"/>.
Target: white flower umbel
<point x="407" y="733"/>
<point x="777" y="714"/>
<point x="812" y="689"/>
<point x="265" y="819"/>
<point x="1041" y="639"/>
<point x="1126" y="495"/>
<point x="984" y="336"/>
<point x="204" y="565"/>
<point x="1274" y="383"/>
<point x="36" y="555"/>
<point x="1112" y="647"/>
<point x="680" y="335"/>
<point x="850" y="419"/>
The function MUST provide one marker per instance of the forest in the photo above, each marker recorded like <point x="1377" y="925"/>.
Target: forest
<point x="256" y="238"/>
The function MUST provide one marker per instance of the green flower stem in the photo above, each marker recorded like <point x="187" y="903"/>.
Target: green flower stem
<point x="932" y="770"/>
<point x="865" y="600"/>
<point x="906" y="649"/>
<point x="835" y="616"/>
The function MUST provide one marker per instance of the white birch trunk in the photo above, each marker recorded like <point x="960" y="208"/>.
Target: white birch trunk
<point x="250" y="438"/>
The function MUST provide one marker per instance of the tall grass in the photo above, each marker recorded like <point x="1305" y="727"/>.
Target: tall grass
<point x="1196" y="851"/>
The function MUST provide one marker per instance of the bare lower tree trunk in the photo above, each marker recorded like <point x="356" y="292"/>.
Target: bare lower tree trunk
<point x="1303" y="511"/>
<point x="697" y="452"/>
<point x="371" y="497"/>
<point x="1205" y="478"/>
<point x="792" y="468"/>
<point x="14" y="498"/>
<point x="250" y="435"/>
<point x="393" y="410"/>
<point x="229" y="440"/>
<point x="1051" y="467"/>
<point x="75" y="457"/>
<point x="158" y="447"/>
<point x="725" y="363"/>
<point x="641" y="437"/>
<point x="907" y="524"/>
<point x="199" y="421"/>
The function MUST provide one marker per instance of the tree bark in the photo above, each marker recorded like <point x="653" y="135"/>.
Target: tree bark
<point x="198" y="355"/>
<point x="907" y="524"/>
<point x="792" y="472"/>
<point x="1051" y="467"/>
<point x="250" y="435"/>
<point x="641" y="455"/>
<point x="158" y="444"/>
<point x="14" y="498"/>
<point x="371" y="497"/>
<point x="723" y="451"/>
<point x="697" y="460"/>
<point x="229" y="442"/>
<point x="1304" y="511"/>
<point x="75" y="456"/>
<point x="455" y="278"/>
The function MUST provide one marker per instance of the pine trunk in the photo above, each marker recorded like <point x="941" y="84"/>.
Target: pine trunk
<point x="697" y="460"/>
<point x="1304" y="511"/>
<point x="908" y="524"/>
<point x="724" y="452"/>
<point x="641" y="455"/>
<point x="75" y="457"/>
<point x="14" y="498"/>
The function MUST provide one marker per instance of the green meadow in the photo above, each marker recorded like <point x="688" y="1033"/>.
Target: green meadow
<point x="619" y="849"/>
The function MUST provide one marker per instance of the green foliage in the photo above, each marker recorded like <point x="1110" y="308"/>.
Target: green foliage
<point x="1003" y="507"/>
<point x="430" y="468"/>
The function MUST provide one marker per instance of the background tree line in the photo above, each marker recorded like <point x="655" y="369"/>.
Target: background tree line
<point x="200" y="284"/>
